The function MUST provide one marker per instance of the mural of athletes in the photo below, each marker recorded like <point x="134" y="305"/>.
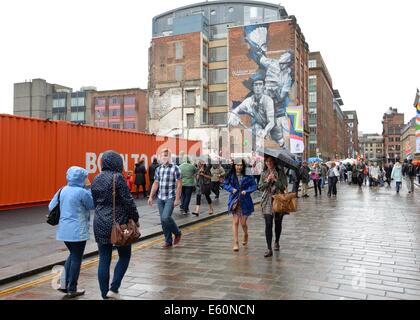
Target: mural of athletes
<point x="262" y="77"/>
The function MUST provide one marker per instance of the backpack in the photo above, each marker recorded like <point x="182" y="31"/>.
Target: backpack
<point x="411" y="170"/>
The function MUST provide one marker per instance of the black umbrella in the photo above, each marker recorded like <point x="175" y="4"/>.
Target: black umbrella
<point x="283" y="157"/>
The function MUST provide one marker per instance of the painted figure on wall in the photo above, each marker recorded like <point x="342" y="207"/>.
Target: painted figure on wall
<point x="278" y="81"/>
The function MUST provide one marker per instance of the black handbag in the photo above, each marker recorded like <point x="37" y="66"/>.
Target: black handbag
<point x="54" y="216"/>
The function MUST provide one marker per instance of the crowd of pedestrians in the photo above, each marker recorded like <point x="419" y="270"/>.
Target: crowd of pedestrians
<point x="110" y="195"/>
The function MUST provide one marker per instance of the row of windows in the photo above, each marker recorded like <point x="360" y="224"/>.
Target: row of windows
<point x="102" y="113"/>
<point x="116" y="125"/>
<point x="74" y="116"/>
<point x="391" y="139"/>
<point x="128" y="100"/>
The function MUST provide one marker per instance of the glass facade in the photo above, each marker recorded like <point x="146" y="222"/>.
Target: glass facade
<point x="218" y="76"/>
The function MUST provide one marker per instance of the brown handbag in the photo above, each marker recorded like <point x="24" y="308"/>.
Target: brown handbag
<point x="285" y="202"/>
<point x="122" y="234"/>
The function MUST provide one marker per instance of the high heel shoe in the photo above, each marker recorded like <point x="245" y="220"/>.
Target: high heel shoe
<point x="245" y="241"/>
<point x="236" y="247"/>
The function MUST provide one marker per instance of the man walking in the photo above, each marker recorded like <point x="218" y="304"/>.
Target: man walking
<point x="410" y="176"/>
<point x="168" y="180"/>
<point x="217" y="175"/>
<point x="188" y="172"/>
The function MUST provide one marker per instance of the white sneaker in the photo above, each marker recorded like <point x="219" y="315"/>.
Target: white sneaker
<point x="113" y="295"/>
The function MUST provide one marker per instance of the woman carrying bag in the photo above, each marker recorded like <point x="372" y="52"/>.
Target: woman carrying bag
<point x="240" y="204"/>
<point x="203" y="187"/>
<point x="273" y="181"/>
<point x="112" y="208"/>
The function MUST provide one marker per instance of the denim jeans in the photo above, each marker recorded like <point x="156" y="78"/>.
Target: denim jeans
<point x="166" y="208"/>
<point x="73" y="263"/>
<point x="105" y="255"/>
<point x="186" y="198"/>
<point x="398" y="183"/>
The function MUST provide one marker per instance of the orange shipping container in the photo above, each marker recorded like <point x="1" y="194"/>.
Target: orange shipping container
<point x="35" y="155"/>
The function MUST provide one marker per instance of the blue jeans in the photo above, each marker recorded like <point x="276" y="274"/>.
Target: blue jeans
<point x="73" y="263"/>
<point x="105" y="255"/>
<point x="166" y="207"/>
<point x="186" y="197"/>
<point x="398" y="185"/>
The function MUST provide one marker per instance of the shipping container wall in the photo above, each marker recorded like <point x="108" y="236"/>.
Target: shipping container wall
<point x="35" y="155"/>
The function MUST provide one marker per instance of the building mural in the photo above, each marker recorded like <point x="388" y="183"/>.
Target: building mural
<point x="264" y="107"/>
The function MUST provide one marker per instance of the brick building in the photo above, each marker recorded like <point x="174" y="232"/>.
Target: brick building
<point x="322" y="125"/>
<point x="194" y="67"/>
<point x="393" y="124"/>
<point x="351" y="124"/>
<point x="120" y="109"/>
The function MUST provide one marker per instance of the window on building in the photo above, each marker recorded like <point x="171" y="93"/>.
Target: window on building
<point x="129" y="112"/>
<point x="312" y="63"/>
<point x="100" y="102"/>
<point x="391" y="139"/>
<point x="312" y="83"/>
<point x="114" y="112"/>
<point x="190" y="98"/>
<point x="205" y="50"/>
<point x="253" y="15"/>
<point x="129" y="100"/>
<point x="190" y="120"/>
<point x="179" y="52"/>
<point x="205" y="95"/>
<point x="397" y="139"/>
<point x="205" y="73"/>
<point x="270" y="15"/>
<point x="218" y="98"/>
<point x="205" y="116"/>
<point x="59" y="103"/>
<point x="218" y="118"/>
<point x="114" y="125"/>
<point x="100" y="113"/>
<point x="218" y="31"/>
<point x="77" y="116"/>
<point x="312" y="146"/>
<point x="170" y="21"/>
<point x="59" y="116"/>
<point x="218" y="76"/>
<point x="312" y="97"/>
<point x="179" y="72"/>
<point x="114" y="101"/>
<point x="397" y="148"/>
<point x="218" y="54"/>
<point x="312" y="130"/>
<point x="129" y="125"/>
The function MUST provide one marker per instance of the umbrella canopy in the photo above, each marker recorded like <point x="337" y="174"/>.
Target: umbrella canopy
<point x="284" y="157"/>
<point x="314" y="159"/>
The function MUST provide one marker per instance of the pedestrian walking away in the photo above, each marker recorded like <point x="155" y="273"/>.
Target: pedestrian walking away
<point x="240" y="204"/>
<point x="188" y="171"/>
<point x="304" y="174"/>
<point x="73" y="228"/>
<point x="333" y="175"/>
<point x="124" y="208"/>
<point x="397" y="175"/>
<point x="168" y="181"/>
<point x="410" y="175"/>
<point x="140" y="172"/>
<point x="273" y="180"/>
<point x="203" y="187"/>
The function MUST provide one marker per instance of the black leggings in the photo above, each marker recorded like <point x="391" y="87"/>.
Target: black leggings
<point x="198" y="203"/>
<point x="278" y="219"/>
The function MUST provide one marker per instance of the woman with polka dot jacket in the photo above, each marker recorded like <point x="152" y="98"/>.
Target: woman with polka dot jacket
<point x="125" y="209"/>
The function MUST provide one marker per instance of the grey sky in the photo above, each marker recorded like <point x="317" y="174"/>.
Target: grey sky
<point x="371" y="47"/>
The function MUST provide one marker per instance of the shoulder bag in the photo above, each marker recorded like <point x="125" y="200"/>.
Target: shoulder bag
<point x="53" y="217"/>
<point x="285" y="202"/>
<point x="122" y="234"/>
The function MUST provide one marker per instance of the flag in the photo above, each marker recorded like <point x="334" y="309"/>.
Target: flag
<point x="295" y="114"/>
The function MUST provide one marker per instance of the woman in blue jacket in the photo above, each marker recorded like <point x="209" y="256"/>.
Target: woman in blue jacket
<point x="73" y="227"/>
<point x="240" y="205"/>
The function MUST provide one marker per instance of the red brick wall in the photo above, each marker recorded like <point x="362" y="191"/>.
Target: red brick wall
<point x="162" y="58"/>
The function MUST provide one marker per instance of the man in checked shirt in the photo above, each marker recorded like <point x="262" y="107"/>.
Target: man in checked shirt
<point x="168" y="180"/>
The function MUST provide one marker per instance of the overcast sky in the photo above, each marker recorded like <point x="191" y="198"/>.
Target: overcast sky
<point x="371" y="47"/>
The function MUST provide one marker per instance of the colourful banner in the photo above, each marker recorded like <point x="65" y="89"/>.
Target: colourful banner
<point x="295" y="114"/>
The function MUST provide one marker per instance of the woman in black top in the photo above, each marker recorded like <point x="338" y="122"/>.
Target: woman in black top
<point x="140" y="172"/>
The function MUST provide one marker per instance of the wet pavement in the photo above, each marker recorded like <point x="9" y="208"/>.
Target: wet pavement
<point x="365" y="244"/>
